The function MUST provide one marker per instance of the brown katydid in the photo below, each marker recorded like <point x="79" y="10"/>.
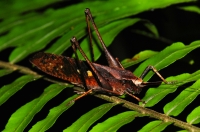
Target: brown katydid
<point x="112" y="79"/>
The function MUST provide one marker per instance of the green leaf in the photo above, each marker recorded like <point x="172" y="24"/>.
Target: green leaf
<point x="152" y="28"/>
<point x="194" y="116"/>
<point x="51" y="118"/>
<point x="195" y="9"/>
<point x="14" y="21"/>
<point x="85" y="121"/>
<point x="176" y="106"/>
<point x="112" y="124"/>
<point x="155" y="126"/>
<point x="25" y="50"/>
<point x="64" y="42"/>
<point x="143" y="55"/>
<point x="22" y="117"/>
<point x="8" y="90"/>
<point x="17" y="7"/>
<point x="183" y="131"/>
<point x="4" y="72"/>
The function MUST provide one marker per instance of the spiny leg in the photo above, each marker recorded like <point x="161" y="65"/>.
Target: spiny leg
<point x="90" y="35"/>
<point x="111" y="60"/>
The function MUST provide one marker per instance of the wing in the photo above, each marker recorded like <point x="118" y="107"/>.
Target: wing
<point x="58" y="66"/>
<point x="67" y="69"/>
